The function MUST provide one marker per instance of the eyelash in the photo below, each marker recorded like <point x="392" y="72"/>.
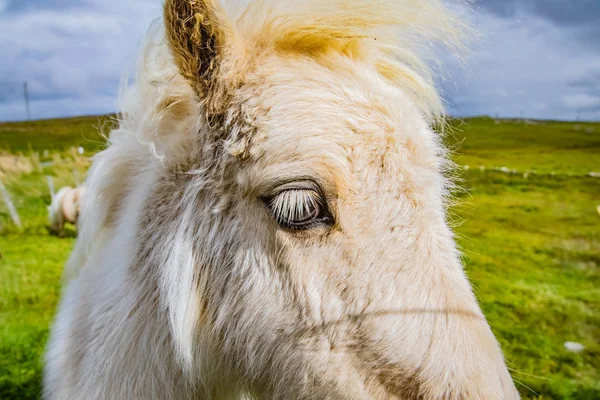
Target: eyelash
<point x="298" y="209"/>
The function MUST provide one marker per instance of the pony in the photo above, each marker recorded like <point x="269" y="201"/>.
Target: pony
<point x="268" y="220"/>
<point x="65" y="207"/>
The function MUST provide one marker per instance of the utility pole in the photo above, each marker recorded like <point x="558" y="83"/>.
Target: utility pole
<point x="26" y="93"/>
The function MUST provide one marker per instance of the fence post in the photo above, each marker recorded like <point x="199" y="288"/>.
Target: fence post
<point x="50" y="186"/>
<point x="11" y="207"/>
<point x="76" y="176"/>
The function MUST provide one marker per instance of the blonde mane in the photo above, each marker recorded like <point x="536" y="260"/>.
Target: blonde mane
<point x="393" y="36"/>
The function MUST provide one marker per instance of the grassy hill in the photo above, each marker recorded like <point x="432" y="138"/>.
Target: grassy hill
<point x="531" y="240"/>
<point x="545" y="146"/>
<point x="55" y="134"/>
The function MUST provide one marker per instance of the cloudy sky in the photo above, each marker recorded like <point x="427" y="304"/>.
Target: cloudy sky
<point x="535" y="58"/>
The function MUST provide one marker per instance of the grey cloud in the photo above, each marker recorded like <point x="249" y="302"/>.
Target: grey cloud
<point x="581" y="17"/>
<point x="538" y="58"/>
<point x="528" y="66"/>
<point x="588" y="87"/>
<point x="590" y="81"/>
<point x="561" y="12"/>
<point x="20" y="6"/>
<point x="581" y="102"/>
<point x="71" y="53"/>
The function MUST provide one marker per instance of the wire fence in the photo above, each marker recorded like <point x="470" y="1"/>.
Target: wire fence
<point x="68" y="168"/>
<point x="10" y="205"/>
<point x="16" y="165"/>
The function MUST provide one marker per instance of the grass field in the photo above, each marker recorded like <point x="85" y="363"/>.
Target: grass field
<point x="531" y="244"/>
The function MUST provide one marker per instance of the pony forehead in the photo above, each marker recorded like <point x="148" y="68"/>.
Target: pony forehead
<point x="315" y="121"/>
<point x="324" y="98"/>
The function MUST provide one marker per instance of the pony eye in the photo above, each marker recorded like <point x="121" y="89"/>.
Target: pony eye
<point x="298" y="209"/>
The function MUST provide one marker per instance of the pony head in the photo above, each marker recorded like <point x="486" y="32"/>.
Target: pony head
<point x="276" y="180"/>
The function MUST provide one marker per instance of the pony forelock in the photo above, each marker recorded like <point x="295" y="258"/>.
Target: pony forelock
<point x="397" y="37"/>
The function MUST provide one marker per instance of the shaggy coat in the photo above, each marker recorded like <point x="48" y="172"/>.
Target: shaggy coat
<point x="65" y="207"/>
<point x="269" y="218"/>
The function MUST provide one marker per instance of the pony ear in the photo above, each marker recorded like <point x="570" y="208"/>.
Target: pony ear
<point x="196" y="34"/>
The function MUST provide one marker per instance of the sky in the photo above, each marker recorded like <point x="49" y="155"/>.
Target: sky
<point x="532" y="58"/>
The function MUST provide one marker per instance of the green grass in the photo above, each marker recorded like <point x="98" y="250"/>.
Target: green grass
<point x="561" y="147"/>
<point x="531" y="245"/>
<point x="532" y="251"/>
<point x="29" y="290"/>
<point x="55" y="134"/>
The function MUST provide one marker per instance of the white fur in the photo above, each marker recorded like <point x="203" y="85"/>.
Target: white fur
<point x="183" y="286"/>
<point x="65" y="207"/>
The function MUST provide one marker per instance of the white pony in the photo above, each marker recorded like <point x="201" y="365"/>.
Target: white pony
<point x="269" y="219"/>
<point x="65" y="207"/>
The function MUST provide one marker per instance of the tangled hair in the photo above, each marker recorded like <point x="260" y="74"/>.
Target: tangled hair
<point x="159" y="113"/>
<point x="394" y="36"/>
<point x="268" y="220"/>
